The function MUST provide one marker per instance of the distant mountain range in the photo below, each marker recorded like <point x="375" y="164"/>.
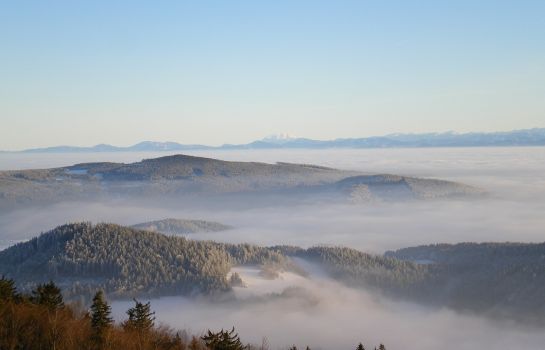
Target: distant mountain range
<point x="527" y="137"/>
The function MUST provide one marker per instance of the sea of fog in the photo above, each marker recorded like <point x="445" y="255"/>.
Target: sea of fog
<point x="514" y="178"/>
<point x="320" y="312"/>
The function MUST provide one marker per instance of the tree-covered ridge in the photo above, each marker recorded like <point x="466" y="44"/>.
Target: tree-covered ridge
<point x="174" y="167"/>
<point x="364" y="188"/>
<point x="358" y="268"/>
<point x="179" y="226"/>
<point x="497" y="278"/>
<point x="178" y="176"/>
<point x="470" y="253"/>
<point x="125" y="261"/>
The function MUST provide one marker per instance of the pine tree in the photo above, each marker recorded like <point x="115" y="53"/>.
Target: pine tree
<point x="141" y="318"/>
<point x="381" y="347"/>
<point x="101" y="319"/>
<point x="49" y="295"/>
<point x="360" y="347"/>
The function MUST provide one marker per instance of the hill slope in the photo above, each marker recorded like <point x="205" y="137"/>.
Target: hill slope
<point x="125" y="261"/>
<point x="496" y="279"/>
<point x="485" y="277"/>
<point x="364" y="188"/>
<point x="180" y="176"/>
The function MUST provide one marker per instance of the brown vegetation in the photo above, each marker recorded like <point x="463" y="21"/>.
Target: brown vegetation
<point x="43" y="321"/>
<point x="34" y="322"/>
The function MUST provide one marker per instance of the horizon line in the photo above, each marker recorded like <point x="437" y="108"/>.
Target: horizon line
<point x="273" y="139"/>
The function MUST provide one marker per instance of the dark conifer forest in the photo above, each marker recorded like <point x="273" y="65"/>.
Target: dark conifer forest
<point x="84" y="258"/>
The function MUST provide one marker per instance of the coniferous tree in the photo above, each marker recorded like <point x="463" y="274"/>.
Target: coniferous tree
<point x="360" y="347"/>
<point x="101" y="319"/>
<point x="8" y="292"/>
<point x="141" y="318"/>
<point x="223" y="340"/>
<point x="381" y="347"/>
<point x="49" y="295"/>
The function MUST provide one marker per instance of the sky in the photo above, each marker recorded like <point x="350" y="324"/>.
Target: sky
<point x="214" y="72"/>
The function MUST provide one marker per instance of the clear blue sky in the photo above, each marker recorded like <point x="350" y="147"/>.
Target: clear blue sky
<point x="118" y="72"/>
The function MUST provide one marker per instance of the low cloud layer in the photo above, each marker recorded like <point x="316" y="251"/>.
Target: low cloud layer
<point x="372" y="228"/>
<point x="332" y="316"/>
<point x="514" y="177"/>
<point x="324" y="314"/>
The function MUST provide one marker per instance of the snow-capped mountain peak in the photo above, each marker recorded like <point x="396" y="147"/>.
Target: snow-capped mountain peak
<point x="279" y="138"/>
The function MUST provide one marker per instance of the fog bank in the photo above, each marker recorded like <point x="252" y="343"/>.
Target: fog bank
<point x="320" y="312"/>
<point x="514" y="177"/>
<point x="323" y="314"/>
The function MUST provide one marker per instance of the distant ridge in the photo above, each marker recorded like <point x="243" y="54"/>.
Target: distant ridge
<point x="180" y="177"/>
<point x="181" y="226"/>
<point x="144" y="146"/>
<point x="525" y="137"/>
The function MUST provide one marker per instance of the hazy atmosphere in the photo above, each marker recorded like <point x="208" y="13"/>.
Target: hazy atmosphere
<point x="281" y="175"/>
<point x="514" y="178"/>
<point x="215" y="72"/>
<point x="512" y="211"/>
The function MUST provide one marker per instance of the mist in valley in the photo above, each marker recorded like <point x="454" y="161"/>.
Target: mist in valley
<point x="315" y="310"/>
<point x="324" y="314"/>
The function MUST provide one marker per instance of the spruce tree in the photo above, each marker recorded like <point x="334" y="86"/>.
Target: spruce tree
<point x="141" y="318"/>
<point x="8" y="292"/>
<point x="49" y="295"/>
<point x="381" y="347"/>
<point x="101" y="318"/>
<point x="360" y="347"/>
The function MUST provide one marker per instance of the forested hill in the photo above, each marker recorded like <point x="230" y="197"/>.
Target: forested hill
<point x="82" y="257"/>
<point x="173" y="167"/>
<point x="473" y="253"/>
<point x="124" y="261"/>
<point x="499" y="279"/>
<point x="172" y="177"/>
<point x="178" y="177"/>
